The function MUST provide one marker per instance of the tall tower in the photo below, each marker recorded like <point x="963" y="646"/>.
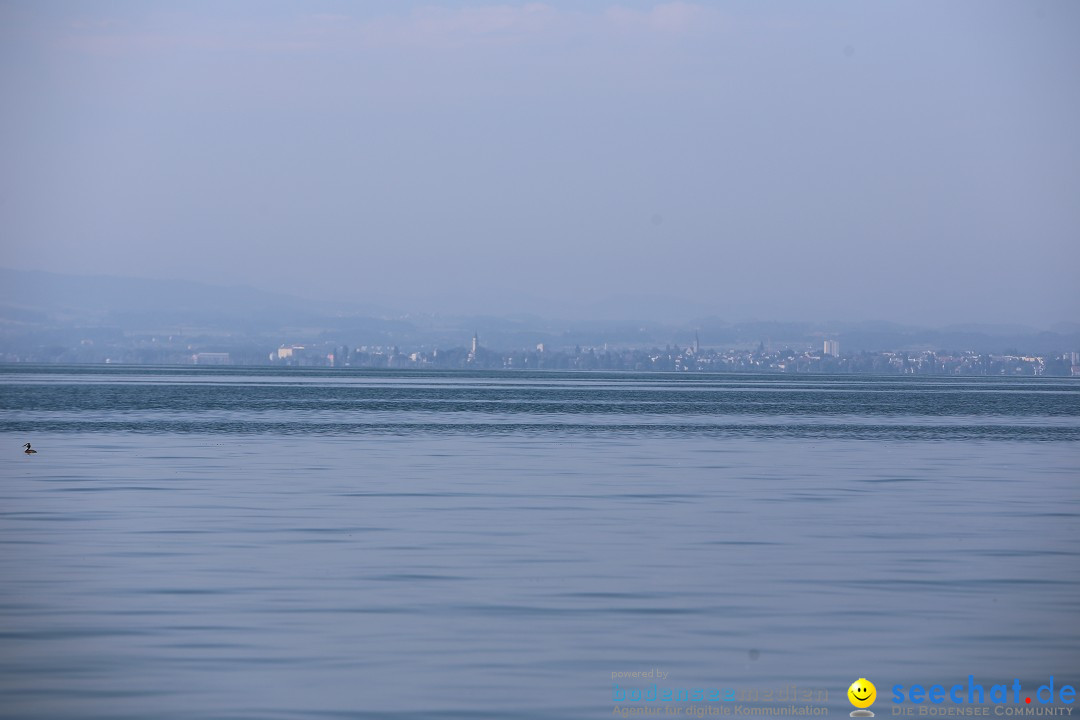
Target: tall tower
<point x="475" y="343"/>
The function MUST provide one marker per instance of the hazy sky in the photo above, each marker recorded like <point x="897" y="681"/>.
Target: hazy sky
<point x="916" y="162"/>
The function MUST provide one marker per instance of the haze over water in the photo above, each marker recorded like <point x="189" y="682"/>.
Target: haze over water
<point x="302" y="544"/>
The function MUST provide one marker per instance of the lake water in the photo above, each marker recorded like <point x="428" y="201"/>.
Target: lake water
<point x="201" y="543"/>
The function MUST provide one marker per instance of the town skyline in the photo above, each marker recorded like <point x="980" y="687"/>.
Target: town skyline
<point x="52" y="318"/>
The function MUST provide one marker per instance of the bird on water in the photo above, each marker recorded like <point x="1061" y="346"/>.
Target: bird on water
<point x="29" y="450"/>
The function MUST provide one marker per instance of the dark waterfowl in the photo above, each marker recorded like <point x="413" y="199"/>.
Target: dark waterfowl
<point x="29" y="450"/>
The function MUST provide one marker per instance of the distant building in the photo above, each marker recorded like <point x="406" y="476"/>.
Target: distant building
<point x="832" y="347"/>
<point x="292" y="352"/>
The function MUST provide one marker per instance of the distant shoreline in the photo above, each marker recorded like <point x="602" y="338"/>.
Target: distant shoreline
<point x="414" y="370"/>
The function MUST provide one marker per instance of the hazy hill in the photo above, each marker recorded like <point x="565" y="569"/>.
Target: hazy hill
<point x="38" y="308"/>
<point x="140" y="304"/>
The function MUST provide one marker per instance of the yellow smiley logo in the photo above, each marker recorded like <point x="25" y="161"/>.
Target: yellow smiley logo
<point x="862" y="693"/>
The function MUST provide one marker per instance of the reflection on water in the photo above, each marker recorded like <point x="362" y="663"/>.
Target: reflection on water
<point x="303" y="545"/>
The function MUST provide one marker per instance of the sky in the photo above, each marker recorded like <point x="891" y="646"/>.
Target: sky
<point x="908" y="162"/>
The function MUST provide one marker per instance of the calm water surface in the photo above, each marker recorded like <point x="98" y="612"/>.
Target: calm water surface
<point x="263" y="544"/>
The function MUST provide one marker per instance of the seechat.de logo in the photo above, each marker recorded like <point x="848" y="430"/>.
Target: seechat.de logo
<point x="976" y="693"/>
<point x="862" y="695"/>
